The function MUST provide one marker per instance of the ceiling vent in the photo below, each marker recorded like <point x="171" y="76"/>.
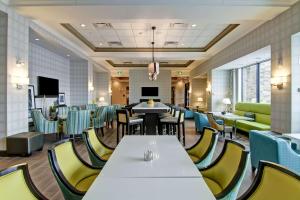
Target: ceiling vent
<point x="178" y="25"/>
<point x="171" y="43"/>
<point x="115" y="44"/>
<point x="103" y="25"/>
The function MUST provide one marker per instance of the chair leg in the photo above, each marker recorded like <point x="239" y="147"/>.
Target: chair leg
<point x="123" y="130"/>
<point x="102" y="131"/>
<point x="141" y="127"/>
<point x="168" y="129"/>
<point x="127" y="129"/>
<point x="112" y="124"/>
<point x="178" y="132"/>
<point x="183" y="132"/>
<point x="118" y="126"/>
<point x="253" y="169"/>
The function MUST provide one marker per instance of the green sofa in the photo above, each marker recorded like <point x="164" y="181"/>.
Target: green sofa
<point x="262" y="116"/>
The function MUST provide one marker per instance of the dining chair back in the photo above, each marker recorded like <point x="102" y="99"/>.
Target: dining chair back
<point x="77" y="121"/>
<point x="43" y="125"/>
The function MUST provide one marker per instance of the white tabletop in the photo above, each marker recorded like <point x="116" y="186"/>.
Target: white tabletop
<point x="231" y="116"/>
<point x="170" y="159"/>
<point x="156" y="107"/>
<point x="149" y="189"/>
<point x="295" y="136"/>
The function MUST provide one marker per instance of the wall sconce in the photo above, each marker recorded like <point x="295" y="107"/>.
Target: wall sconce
<point x="20" y="63"/>
<point x="278" y="81"/>
<point x="200" y="99"/>
<point x="101" y="99"/>
<point x="91" y="87"/>
<point x="20" y="81"/>
<point x="208" y="89"/>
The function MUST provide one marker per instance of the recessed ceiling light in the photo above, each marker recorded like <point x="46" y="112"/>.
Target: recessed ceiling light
<point x="100" y="43"/>
<point x="82" y="25"/>
<point x="68" y="55"/>
<point x="194" y="25"/>
<point x="182" y="44"/>
<point x="36" y="39"/>
<point x="140" y="33"/>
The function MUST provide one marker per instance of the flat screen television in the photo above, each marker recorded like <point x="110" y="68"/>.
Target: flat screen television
<point x="150" y="91"/>
<point x="47" y="86"/>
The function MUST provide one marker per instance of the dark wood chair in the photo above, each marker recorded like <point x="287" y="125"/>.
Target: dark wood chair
<point x="124" y="120"/>
<point x="174" y="124"/>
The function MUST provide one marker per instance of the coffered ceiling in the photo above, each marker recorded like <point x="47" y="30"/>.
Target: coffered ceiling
<point x="186" y="29"/>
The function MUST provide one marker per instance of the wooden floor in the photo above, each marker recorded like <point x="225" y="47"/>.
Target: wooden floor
<point x="46" y="183"/>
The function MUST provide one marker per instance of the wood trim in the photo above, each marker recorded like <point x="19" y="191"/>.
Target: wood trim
<point x="146" y="65"/>
<point x="215" y="40"/>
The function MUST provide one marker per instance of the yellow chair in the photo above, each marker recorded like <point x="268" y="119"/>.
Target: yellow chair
<point x="15" y="183"/>
<point x="274" y="182"/>
<point x="213" y="123"/>
<point x="202" y="152"/>
<point x="73" y="175"/>
<point x="99" y="153"/>
<point x="225" y="174"/>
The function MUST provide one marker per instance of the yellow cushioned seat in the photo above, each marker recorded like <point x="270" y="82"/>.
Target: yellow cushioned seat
<point x="15" y="183"/>
<point x="73" y="174"/>
<point x="225" y="174"/>
<point x="202" y="152"/>
<point x="99" y="153"/>
<point x="213" y="186"/>
<point x="84" y="184"/>
<point x="273" y="182"/>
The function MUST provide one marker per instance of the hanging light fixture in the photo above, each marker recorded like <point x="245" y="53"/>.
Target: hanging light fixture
<point x="153" y="67"/>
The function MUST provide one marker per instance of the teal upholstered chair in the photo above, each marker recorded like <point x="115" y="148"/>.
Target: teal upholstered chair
<point x="43" y="125"/>
<point x="77" y="122"/>
<point x="115" y="108"/>
<point x="62" y="112"/>
<point x="110" y="116"/>
<point x="99" y="119"/>
<point x="201" y="121"/>
<point x="189" y="114"/>
<point x="74" y="108"/>
<point x="91" y="107"/>
<point x="264" y="146"/>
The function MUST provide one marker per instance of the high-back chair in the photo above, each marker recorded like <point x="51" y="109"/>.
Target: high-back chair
<point x="202" y="152"/>
<point x="110" y="116"/>
<point x="99" y="153"/>
<point x="213" y="123"/>
<point x="274" y="182"/>
<point x="115" y="108"/>
<point x="172" y="122"/>
<point x="15" y="183"/>
<point x="43" y="125"/>
<point x="99" y="119"/>
<point x="73" y="175"/>
<point x="77" y="121"/>
<point x="224" y="176"/>
<point x="62" y="112"/>
<point x="91" y="107"/>
<point x="124" y="119"/>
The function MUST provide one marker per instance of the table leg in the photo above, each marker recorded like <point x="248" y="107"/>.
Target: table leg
<point x="151" y="121"/>
<point x="235" y="133"/>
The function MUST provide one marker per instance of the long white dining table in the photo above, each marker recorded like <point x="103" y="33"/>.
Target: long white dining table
<point x="170" y="175"/>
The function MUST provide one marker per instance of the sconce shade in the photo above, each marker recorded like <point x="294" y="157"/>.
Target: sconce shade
<point x="200" y="99"/>
<point x="101" y="99"/>
<point x="226" y="101"/>
<point x="279" y="81"/>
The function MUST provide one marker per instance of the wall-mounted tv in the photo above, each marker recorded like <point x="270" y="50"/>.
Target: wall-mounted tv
<point x="149" y="91"/>
<point x="47" y="86"/>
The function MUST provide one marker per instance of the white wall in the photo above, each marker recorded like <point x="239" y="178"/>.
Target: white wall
<point x="79" y="80"/>
<point x="199" y="90"/>
<point x="43" y="62"/>
<point x="295" y="84"/>
<point x="16" y="116"/>
<point x="3" y="73"/>
<point x="101" y="85"/>
<point x="140" y="78"/>
<point x="277" y="33"/>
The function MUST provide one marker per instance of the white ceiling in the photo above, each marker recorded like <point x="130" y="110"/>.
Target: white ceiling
<point x="138" y="15"/>
<point x="140" y="34"/>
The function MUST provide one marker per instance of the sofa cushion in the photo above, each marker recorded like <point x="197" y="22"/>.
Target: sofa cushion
<point x="262" y="118"/>
<point x="254" y="107"/>
<point x="250" y="125"/>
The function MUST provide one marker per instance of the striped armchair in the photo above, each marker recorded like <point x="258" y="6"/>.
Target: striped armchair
<point x="91" y="107"/>
<point x="100" y="117"/>
<point x="77" y="121"/>
<point x="115" y="108"/>
<point x="62" y="112"/>
<point x="43" y="125"/>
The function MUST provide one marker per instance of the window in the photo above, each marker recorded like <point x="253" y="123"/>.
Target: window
<point x="254" y="83"/>
<point x="265" y="82"/>
<point x="249" y="83"/>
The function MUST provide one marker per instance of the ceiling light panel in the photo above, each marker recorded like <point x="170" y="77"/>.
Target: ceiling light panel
<point x="138" y="34"/>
